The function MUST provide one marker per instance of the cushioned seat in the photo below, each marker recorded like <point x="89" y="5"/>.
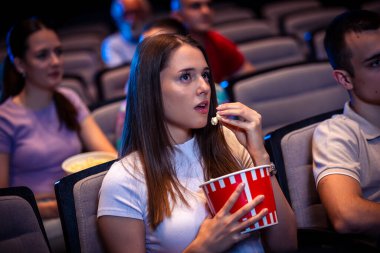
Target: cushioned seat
<point x="77" y="198"/>
<point x="106" y="116"/>
<point x="246" y="30"/>
<point x="21" y="227"/>
<point x="272" y="52"/>
<point x="290" y="149"/>
<point x="289" y="93"/>
<point x="111" y="82"/>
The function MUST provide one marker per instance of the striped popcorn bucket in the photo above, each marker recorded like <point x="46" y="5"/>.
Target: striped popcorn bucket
<point x="256" y="181"/>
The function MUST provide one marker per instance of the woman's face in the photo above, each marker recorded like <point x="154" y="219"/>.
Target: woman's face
<point x="186" y="92"/>
<point x="43" y="65"/>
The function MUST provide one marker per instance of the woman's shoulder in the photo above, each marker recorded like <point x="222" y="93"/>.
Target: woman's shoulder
<point x="129" y="166"/>
<point x="237" y="149"/>
<point x="69" y="94"/>
<point x="229" y="136"/>
<point x="9" y="111"/>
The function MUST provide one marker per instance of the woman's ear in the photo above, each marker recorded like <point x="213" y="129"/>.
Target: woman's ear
<point x="343" y="78"/>
<point x="19" y="65"/>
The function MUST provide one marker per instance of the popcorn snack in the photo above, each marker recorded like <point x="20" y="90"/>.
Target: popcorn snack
<point x="86" y="160"/>
<point x="214" y="120"/>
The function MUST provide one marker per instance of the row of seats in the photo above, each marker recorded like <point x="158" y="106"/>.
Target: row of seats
<point x="282" y="95"/>
<point x="77" y="198"/>
<point x="299" y="39"/>
<point x="264" y="44"/>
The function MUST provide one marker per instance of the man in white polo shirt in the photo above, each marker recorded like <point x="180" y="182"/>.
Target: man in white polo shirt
<point x="346" y="148"/>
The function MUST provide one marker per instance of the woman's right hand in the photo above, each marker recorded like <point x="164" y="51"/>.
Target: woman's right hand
<point x="219" y="233"/>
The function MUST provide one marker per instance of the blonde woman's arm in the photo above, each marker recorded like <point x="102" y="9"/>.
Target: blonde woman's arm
<point x="93" y="137"/>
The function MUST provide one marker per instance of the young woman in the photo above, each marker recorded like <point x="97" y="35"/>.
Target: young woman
<point x="40" y="124"/>
<point x="150" y="201"/>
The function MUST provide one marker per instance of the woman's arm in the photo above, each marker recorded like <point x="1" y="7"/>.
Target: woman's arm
<point x="46" y="203"/>
<point x="122" y="235"/>
<point x="346" y="207"/>
<point x="4" y="170"/>
<point x="93" y="138"/>
<point x="281" y="237"/>
<point x="247" y="129"/>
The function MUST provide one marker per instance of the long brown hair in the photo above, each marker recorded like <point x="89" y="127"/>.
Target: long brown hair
<point x="145" y="130"/>
<point x="14" y="82"/>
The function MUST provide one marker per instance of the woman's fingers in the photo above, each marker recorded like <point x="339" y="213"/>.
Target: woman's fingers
<point x="232" y="200"/>
<point x="246" y="115"/>
<point x="252" y="220"/>
<point x="248" y="207"/>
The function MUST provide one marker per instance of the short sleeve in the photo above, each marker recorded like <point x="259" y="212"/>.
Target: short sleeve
<point x="224" y="56"/>
<point x="335" y="148"/>
<point x="80" y="106"/>
<point x="121" y="193"/>
<point x="6" y="133"/>
<point x="109" y="55"/>
<point x="238" y="150"/>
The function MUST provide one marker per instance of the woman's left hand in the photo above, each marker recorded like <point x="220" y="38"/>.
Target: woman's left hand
<point x="247" y="128"/>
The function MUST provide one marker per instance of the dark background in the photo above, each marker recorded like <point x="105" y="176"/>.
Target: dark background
<point x="66" y="12"/>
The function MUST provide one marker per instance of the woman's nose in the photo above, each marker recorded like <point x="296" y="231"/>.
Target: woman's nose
<point x="55" y="58"/>
<point x="204" y="86"/>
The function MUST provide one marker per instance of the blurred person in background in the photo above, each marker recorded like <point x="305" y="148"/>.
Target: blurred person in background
<point x="225" y="58"/>
<point x="41" y="124"/>
<point x="130" y="16"/>
<point x="346" y="147"/>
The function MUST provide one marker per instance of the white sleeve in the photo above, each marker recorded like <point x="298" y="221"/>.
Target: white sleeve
<point x="109" y="52"/>
<point x="335" y="149"/>
<point x="122" y="194"/>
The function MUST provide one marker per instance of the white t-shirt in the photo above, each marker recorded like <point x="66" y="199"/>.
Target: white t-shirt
<point x="124" y="193"/>
<point x="115" y="50"/>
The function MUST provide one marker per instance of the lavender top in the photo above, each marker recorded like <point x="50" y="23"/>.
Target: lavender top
<point x="36" y="143"/>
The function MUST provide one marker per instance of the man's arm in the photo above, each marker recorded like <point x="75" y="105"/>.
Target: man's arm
<point x="348" y="211"/>
<point x="246" y="68"/>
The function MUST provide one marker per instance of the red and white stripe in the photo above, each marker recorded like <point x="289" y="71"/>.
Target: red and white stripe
<point x="256" y="181"/>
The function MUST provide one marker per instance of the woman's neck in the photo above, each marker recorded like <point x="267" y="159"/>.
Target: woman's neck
<point x="34" y="99"/>
<point x="179" y="136"/>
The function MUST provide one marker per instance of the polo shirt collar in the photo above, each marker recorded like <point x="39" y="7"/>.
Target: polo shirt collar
<point x="370" y="131"/>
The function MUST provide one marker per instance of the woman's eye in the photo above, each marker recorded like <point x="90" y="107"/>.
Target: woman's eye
<point x="42" y="55"/>
<point x="206" y="76"/>
<point x="58" y="51"/>
<point x="375" y="63"/>
<point x="185" y="77"/>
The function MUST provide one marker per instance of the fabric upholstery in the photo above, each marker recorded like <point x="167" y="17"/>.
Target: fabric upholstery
<point x="307" y="21"/>
<point x="105" y="116"/>
<point x="20" y="231"/>
<point x="289" y="94"/>
<point x="272" y="52"/>
<point x="77" y="199"/>
<point x="111" y="82"/>
<point x="230" y="14"/>
<point x="246" y="30"/>
<point x="86" y="205"/>
<point x="274" y="10"/>
<point x="296" y="151"/>
<point x="84" y="63"/>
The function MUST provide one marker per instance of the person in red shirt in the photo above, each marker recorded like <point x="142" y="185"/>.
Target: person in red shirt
<point x="224" y="57"/>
